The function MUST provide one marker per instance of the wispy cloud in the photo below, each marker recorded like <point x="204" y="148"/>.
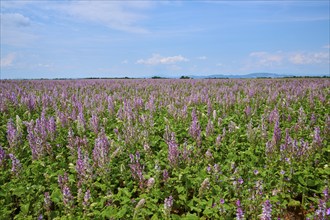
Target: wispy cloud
<point x="202" y="58"/>
<point x="118" y="15"/>
<point x="16" y="29"/>
<point x="309" y="58"/>
<point x="266" y="59"/>
<point x="157" y="59"/>
<point x="123" y="16"/>
<point x="14" y="19"/>
<point x="8" y="60"/>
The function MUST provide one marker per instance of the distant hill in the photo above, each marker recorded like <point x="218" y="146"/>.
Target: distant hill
<point x="253" y="75"/>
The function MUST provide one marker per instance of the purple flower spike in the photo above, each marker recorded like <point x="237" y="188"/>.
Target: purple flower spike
<point x="87" y="198"/>
<point x="165" y="175"/>
<point x="12" y="134"/>
<point x="67" y="197"/>
<point x="239" y="211"/>
<point x="137" y="169"/>
<point x="47" y="201"/>
<point x="277" y="134"/>
<point x="168" y="203"/>
<point x="2" y="155"/>
<point x="173" y="151"/>
<point x="101" y="150"/>
<point x="15" y="164"/>
<point x="266" y="211"/>
<point x="317" y="138"/>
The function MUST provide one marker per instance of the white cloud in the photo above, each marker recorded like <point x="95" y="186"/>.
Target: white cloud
<point x="202" y="58"/>
<point x="14" y="19"/>
<point x="8" y="60"/>
<point x="124" y="62"/>
<point x="309" y="58"/>
<point x="157" y="59"/>
<point x="123" y="16"/>
<point x="16" y="29"/>
<point x="266" y="59"/>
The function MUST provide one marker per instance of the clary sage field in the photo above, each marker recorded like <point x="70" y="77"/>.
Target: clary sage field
<point x="165" y="149"/>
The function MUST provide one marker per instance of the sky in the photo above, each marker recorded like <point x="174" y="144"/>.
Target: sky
<point x="77" y="39"/>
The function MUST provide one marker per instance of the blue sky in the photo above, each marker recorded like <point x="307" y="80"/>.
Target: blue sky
<point x="49" y="39"/>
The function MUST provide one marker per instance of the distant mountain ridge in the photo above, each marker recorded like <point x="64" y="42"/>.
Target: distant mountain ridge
<point x="252" y="75"/>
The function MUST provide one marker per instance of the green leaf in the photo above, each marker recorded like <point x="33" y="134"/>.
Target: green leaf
<point x="302" y="181"/>
<point x="208" y="211"/>
<point x="274" y="199"/>
<point x="294" y="203"/>
<point x="179" y="189"/>
<point x="108" y="212"/>
<point x="25" y="208"/>
<point x="56" y="196"/>
<point x="190" y="216"/>
<point x="311" y="183"/>
<point x="19" y="191"/>
<point x="122" y="212"/>
<point x="155" y="217"/>
<point x="182" y="197"/>
<point x="174" y="217"/>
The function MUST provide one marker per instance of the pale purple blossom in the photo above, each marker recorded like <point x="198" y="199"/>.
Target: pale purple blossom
<point x="47" y="201"/>
<point x="240" y="180"/>
<point x="239" y="211"/>
<point x="87" y="197"/>
<point x="101" y="151"/>
<point x="137" y="169"/>
<point x="15" y="164"/>
<point x="266" y="210"/>
<point x="277" y="134"/>
<point x="94" y="121"/>
<point x="2" y="156"/>
<point x="67" y="196"/>
<point x="140" y="204"/>
<point x="208" y="154"/>
<point x="165" y="175"/>
<point x="168" y="203"/>
<point x="321" y="212"/>
<point x="150" y="182"/>
<point x="317" y="137"/>
<point x="173" y="151"/>
<point x="247" y="110"/>
<point x="204" y="186"/>
<point x="12" y="134"/>
<point x="209" y="128"/>
<point x="63" y="180"/>
<point x="195" y="130"/>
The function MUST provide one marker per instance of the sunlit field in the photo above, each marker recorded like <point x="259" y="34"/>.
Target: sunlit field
<point x="165" y="149"/>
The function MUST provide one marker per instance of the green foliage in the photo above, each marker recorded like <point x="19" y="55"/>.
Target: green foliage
<point x="235" y="154"/>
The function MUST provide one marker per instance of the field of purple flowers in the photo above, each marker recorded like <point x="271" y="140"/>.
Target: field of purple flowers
<point x="165" y="149"/>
